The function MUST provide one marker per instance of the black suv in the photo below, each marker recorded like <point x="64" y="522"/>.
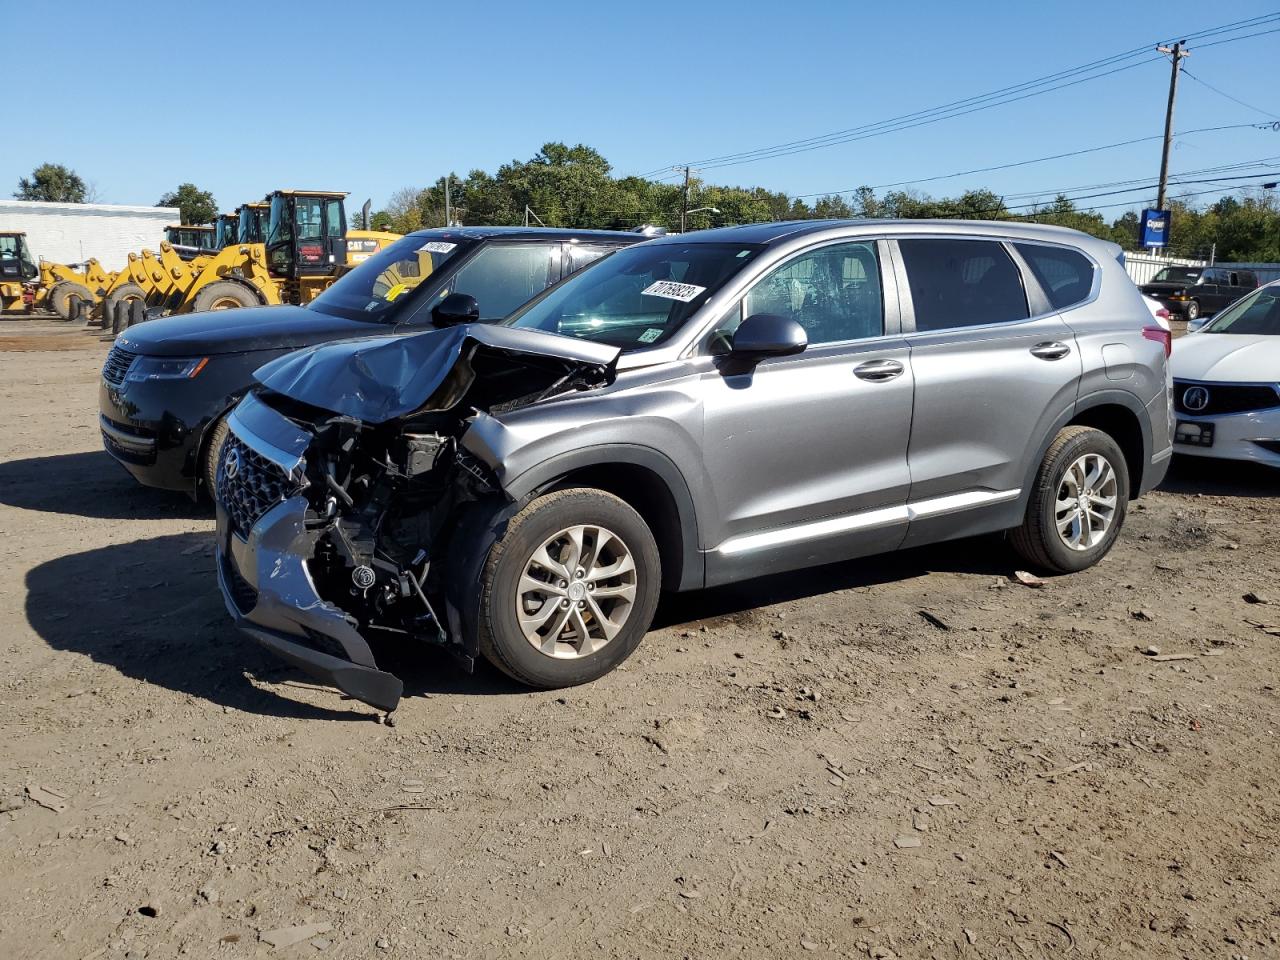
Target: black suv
<point x="168" y="384"/>
<point x="1193" y="292"/>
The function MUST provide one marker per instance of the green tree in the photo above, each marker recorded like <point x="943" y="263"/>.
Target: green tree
<point x="53" y="183"/>
<point x="197" y="206"/>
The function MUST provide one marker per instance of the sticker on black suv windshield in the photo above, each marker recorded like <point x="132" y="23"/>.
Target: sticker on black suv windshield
<point x="684" y="292"/>
<point x="436" y="246"/>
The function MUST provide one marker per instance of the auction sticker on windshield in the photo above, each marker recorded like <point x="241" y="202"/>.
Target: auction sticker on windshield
<point x="436" y="246"/>
<point x="684" y="292"/>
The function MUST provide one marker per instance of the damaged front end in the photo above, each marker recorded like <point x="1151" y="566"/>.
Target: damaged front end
<point x="347" y="506"/>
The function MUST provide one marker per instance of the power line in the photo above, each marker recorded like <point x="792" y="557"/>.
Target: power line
<point x="973" y="104"/>
<point x="1023" y="163"/>
<point x="1223" y="93"/>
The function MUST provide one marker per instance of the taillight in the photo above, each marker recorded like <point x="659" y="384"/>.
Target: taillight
<point x="1164" y="314"/>
<point x="1160" y="335"/>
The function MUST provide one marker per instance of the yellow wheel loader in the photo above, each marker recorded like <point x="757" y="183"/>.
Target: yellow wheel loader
<point x="307" y="246"/>
<point x="18" y="274"/>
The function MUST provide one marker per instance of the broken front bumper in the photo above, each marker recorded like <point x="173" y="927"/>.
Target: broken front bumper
<point x="268" y="591"/>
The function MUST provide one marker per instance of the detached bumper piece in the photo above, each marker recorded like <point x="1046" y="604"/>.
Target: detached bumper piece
<point x="263" y="549"/>
<point x="268" y="592"/>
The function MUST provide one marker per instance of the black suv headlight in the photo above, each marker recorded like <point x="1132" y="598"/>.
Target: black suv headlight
<point x="165" y="368"/>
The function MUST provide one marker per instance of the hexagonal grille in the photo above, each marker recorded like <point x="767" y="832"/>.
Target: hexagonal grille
<point x="258" y="485"/>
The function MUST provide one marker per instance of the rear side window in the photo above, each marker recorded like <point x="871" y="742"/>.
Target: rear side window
<point x="1065" y="276"/>
<point x="962" y="283"/>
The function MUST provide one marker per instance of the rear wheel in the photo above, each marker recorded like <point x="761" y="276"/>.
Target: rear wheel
<point x="1078" y="503"/>
<point x="225" y="295"/>
<point x="60" y="297"/>
<point x="218" y="434"/>
<point x="569" y="590"/>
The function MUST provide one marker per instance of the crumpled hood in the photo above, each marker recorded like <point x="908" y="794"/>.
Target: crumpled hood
<point x="1227" y="358"/>
<point x="237" y="331"/>
<point x="377" y="379"/>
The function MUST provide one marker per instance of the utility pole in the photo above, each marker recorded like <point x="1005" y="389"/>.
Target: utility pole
<point x="684" y="198"/>
<point x="448" y="219"/>
<point x="1175" y="53"/>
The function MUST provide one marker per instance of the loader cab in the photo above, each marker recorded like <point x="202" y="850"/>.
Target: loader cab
<point x="16" y="265"/>
<point x="306" y="234"/>
<point x="254" y="219"/>
<point x="226" y="230"/>
<point x="189" y="240"/>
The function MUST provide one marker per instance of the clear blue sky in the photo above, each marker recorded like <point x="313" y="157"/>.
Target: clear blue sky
<point x="367" y="97"/>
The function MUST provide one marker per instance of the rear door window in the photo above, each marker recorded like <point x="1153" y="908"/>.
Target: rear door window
<point x="1065" y="276"/>
<point x="962" y="283"/>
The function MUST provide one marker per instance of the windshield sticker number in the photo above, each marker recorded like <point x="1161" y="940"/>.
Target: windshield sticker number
<point x="437" y="246"/>
<point x="650" y="335"/>
<point x="684" y="292"/>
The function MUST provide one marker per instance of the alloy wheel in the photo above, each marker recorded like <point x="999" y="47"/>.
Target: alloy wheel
<point x="576" y="592"/>
<point x="1086" y="502"/>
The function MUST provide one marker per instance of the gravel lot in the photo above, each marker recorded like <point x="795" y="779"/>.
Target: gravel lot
<point x="800" y="766"/>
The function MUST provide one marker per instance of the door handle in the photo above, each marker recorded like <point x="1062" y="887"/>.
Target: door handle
<point x="1050" y="351"/>
<point x="878" y="371"/>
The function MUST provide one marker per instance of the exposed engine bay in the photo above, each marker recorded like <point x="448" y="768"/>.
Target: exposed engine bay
<point x="387" y="493"/>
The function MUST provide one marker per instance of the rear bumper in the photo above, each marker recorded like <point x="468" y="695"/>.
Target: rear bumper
<point x="268" y="591"/>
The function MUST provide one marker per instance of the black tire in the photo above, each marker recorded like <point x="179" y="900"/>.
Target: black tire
<point x="225" y="295"/>
<point x="499" y="635"/>
<point x="1037" y="541"/>
<point x="1192" y="310"/>
<point x="217" y="433"/>
<point x="125" y="293"/>
<point x="60" y="296"/>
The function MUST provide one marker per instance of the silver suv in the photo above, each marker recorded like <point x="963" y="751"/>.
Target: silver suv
<point x="687" y="412"/>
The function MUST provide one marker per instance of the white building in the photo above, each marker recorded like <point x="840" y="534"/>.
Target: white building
<point x="74" y="232"/>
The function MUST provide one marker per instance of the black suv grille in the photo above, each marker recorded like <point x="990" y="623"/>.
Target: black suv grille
<point x="256" y="486"/>
<point x="244" y="596"/>
<point x="117" y="365"/>
<point x="1225" y="398"/>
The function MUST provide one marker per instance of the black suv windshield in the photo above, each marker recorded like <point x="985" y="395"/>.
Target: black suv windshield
<point x="372" y="290"/>
<point x="1255" y="315"/>
<point x="1176" y="275"/>
<point x="637" y="297"/>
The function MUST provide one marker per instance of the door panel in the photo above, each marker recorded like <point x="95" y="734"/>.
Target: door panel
<point x="802" y="440"/>
<point x="986" y="393"/>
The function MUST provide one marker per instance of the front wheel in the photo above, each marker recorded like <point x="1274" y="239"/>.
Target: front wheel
<point x="1078" y="503"/>
<point x="1192" y="310"/>
<point x="225" y="295"/>
<point x="569" y="590"/>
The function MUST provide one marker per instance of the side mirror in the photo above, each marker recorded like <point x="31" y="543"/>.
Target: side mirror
<point x="767" y="335"/>
<point x="454" y="309"/>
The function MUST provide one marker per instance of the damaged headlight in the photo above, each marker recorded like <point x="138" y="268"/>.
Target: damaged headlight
<point x="165" y="368"/>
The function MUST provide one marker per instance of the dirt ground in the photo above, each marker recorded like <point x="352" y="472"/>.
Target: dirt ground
<point x="799" y="766"/>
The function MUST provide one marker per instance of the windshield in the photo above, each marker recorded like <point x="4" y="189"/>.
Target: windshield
<point x="637" y="297"/>
<point x="370" y="290"/>
<point x="1254" y="315"/>
<point x="226" y="235"/>
<point x="1177" y="275"/>
<point x="15" y="261"/>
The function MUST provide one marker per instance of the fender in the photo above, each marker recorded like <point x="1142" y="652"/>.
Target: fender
<point x="1121" y="398"/>
<point x="546" y="473"/>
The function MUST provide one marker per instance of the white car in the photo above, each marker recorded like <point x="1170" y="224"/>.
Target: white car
<point x="1226" y="382"/>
